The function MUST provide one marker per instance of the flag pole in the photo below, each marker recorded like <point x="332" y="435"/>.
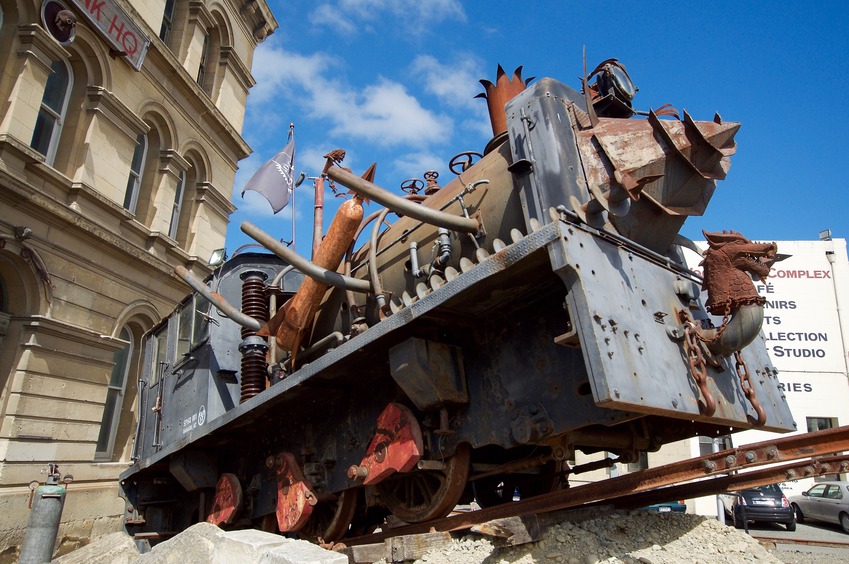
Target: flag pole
<point x="291" y="137"/>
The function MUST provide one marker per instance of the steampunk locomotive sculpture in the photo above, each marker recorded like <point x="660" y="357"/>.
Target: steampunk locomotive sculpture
<point x="536" y="305"/>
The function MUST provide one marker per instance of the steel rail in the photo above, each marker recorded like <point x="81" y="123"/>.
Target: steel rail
<point x="784" y="449"/>
<point x="734" y="482"/>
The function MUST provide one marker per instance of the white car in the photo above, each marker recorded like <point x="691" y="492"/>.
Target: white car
<point x="826" y="501"/>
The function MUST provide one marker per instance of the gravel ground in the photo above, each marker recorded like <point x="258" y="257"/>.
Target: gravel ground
<point x="629" y="537"/>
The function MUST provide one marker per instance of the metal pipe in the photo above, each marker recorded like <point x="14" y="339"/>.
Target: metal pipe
<point x="216" y="300"/>
<point x="272" y="308"/>
<point x="414" y="261"/>
<point x="334" y="339"/>
<point x="318" y="214"/>
<point x="400" y="205"/>
<point x="372" y="261"/>
<point x="441" y="260"/>
<point x="317" y="273"/>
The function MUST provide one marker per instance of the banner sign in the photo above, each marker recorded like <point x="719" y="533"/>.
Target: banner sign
<point x="117" y="27"/>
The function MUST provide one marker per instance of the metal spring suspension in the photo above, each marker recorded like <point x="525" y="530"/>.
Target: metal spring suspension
<point x="253" y="347"/>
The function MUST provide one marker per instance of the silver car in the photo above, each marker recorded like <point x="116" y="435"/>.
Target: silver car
<point x="826" y="501"/>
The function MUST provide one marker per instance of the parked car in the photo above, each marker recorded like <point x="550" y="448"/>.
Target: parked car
<point x="826" y="501"/>
<point x="667" y="507"/>
<point x="764" y="504"/>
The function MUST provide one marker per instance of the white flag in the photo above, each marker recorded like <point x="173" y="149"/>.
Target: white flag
<point x="275" y="179"/>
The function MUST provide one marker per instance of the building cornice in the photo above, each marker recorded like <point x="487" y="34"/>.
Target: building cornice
<point x="256" y="17"/>
<point x="105" y="103"/>
<point x="231" y="61"/>
<point x="67" y="215"/>
<point x="36" y="43"/>
<point x="208" y="194"/>
<point x="41" y="325"/>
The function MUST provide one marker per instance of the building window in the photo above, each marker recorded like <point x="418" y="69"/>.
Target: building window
<point x="131" y="198"/>
<point x="821" y="424"/>
<point x="178" y="206"/>
<point x="51" y="115"/>
<point x="167" y="22"/>
<point x="204" y="60"/>
<point x="114" y="399"/>
<point x="706" y="444"/>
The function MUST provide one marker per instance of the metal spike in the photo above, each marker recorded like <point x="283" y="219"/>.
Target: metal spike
<point x="555" y="215"/>
<point x="395" y="307"/>
<point x="422" y="290"/>
<point x="405" y="297"/>
<point x="535" y="225"/>
<point x="466" y="265"/>
<point x="451" y="273"/>
<point x="516" y="235"/>
<point x="498" y="245"/>
<point x="481" y="254"/>
<point x="436" y="282"/>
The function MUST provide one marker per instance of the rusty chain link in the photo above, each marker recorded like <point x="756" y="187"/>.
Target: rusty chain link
<point x="698" y="366"/>
<point x="746" y="383"/>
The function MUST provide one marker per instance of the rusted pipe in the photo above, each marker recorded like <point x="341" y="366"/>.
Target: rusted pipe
<point x="400" y="205"/>
<point x="308" y="268"/>
<point x="216" y="300"/>
<point x="294" y="318"/>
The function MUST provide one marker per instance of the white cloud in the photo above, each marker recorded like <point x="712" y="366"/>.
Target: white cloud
<point x="387" y="114"/>
<point x="414" y="17"/>
<point x="455" y="83"/>
<point x="384" y="113"/>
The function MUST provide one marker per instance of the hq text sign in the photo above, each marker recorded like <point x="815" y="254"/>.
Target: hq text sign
<point x="117" y="27"/>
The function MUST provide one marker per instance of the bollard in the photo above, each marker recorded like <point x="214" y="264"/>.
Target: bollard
<point x="43" y="525"/>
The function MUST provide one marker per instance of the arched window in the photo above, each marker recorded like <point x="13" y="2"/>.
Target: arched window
<point x="114" y="398"/>
<point x="167" y="21"/>
<point x="178" y="206"/>
<point x="205" y="65"/>
<point x="131" y="197"/>
<point x="51" y="116"/>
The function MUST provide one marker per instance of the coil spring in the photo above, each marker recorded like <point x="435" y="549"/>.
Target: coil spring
<point x="254" y="369"/>
<point x="254" y="303"/>
<point x="253" y="366"/>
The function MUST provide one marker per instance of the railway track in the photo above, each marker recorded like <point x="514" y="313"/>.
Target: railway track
<point x="781" y="459"/>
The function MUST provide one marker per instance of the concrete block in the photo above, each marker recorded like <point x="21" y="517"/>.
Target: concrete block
<point x="246" y="545"/>
<point x="301" y="552"/>
<point x="115" y="548"/>
<point x="195" y="544"/>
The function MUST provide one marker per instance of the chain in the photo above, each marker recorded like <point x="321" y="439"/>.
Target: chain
<point x="725" y="319"/>
<point x="698" y="367"/>
<point x="749" y="390"/>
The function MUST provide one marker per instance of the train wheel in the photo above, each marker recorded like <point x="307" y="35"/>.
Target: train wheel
<point x="330" y="519"/>
<point x="427" y="494"/>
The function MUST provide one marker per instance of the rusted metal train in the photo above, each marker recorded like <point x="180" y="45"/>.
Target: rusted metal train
<point x="536" y="305"/>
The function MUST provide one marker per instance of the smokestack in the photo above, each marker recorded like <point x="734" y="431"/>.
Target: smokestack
<point x="497" y="95"/>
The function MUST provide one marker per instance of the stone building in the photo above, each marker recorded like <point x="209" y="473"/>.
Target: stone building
<point x="120" y="136"/>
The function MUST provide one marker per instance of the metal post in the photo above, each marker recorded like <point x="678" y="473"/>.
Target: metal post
<point x="720" y="507"/>
<point x="43" y="525"/>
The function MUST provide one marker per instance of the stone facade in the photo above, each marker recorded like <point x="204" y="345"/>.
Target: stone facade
<point x="109" y="177"/>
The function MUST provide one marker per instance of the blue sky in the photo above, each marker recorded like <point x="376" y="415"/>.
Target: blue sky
<point x="394" y="82"/>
